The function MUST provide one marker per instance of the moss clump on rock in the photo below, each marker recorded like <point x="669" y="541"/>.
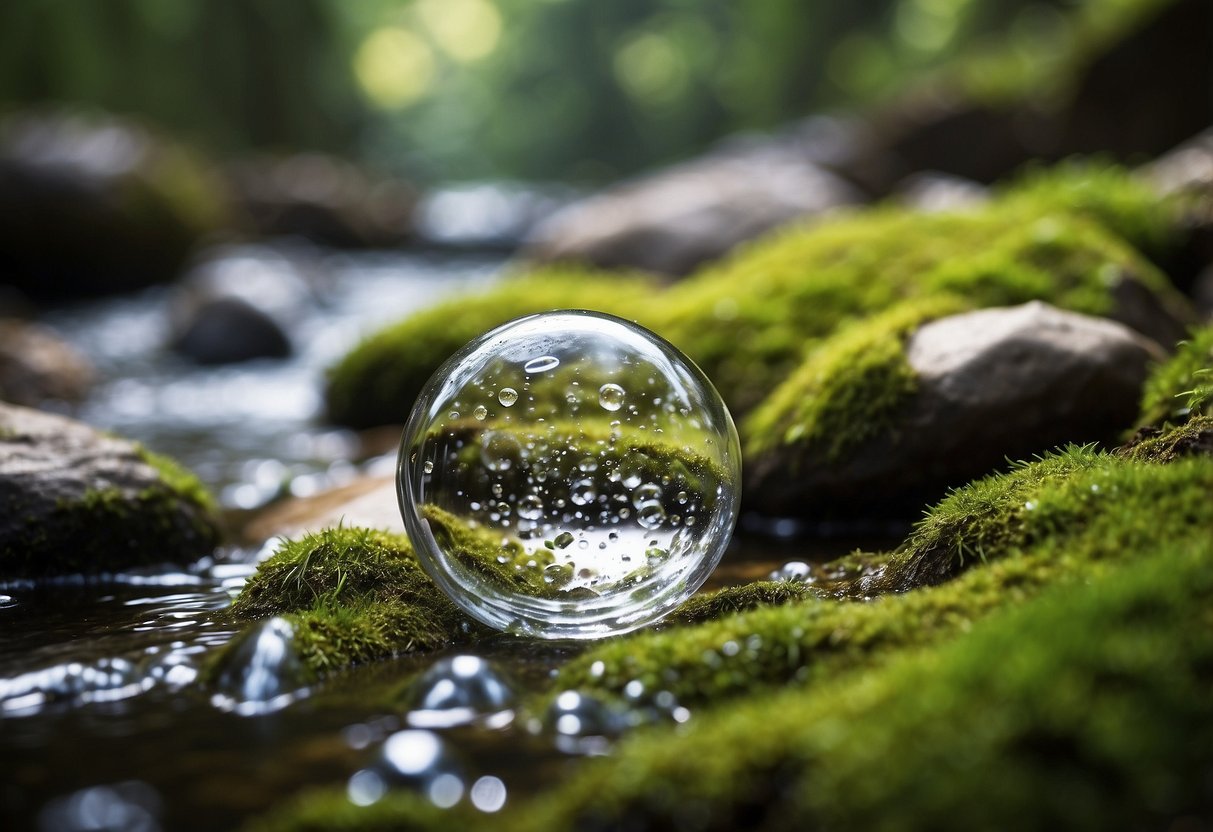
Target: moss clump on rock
<point x="748" y="321"/>
<point x="78" y="501"/>
<point x="850" y="388"/>
<point x="352" y="595"/>
<point x="377" y="382"/>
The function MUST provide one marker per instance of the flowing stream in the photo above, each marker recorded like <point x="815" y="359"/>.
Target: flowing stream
<point x="104" y="721"/>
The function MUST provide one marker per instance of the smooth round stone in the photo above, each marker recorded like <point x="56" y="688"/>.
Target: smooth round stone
<point x="569" y="475"/>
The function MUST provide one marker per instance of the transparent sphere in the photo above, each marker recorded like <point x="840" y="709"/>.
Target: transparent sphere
<point x="569" y="475"/>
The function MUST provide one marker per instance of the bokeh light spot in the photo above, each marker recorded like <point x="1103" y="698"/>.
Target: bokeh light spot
<point x="394" y="66"/>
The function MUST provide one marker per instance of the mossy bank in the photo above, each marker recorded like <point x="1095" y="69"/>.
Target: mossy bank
<point x="1065" y="236"/>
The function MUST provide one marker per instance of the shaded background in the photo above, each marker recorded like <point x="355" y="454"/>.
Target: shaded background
<point x="569" y="90"/>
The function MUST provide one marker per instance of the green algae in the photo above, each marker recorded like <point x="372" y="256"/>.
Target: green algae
<point x="353" y="595"/>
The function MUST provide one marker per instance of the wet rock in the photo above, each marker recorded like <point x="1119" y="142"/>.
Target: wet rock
<point x="324" y="200"/>
<point x="101" y="206"/>
<point x="37" y="366"/>
<point x="228" y="331"/>
<point x="673" y="220"/>
<point x="78" y="501"/>
<point x="236" y="302"/>
<point x="990" y="385"/>
<point x="1186" y="173"/>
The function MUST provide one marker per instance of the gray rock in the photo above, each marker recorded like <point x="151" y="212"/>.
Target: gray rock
<point x="676" y="219"/>
<point x="1186" y="173"/>
<point x="228" y="331"/>
<point x="325" y="200"/>
<point x="91" y="207"/>
<point x="76" y="501"/>
<point x="993" y="385"/>
<point x="37" y="366"/>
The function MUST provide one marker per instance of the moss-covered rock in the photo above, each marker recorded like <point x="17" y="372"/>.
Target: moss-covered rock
<point x="1062" y="682"/>
<point x="1060" y="519"/>
<point x="352" y="595"/>
<point x="1085" y="709"/>
<point x="79" y="502"/>
<point x="749" y="320"/>
<point x="889" y="413"/>
<point x="99" y="206"/>
<point x="378" y="381"/>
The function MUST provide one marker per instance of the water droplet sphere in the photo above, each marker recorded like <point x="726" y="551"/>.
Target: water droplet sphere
<point x="608" y="438"/>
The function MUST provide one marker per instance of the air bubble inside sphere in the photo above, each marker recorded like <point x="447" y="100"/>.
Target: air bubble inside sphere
<point x="569" y="475"/>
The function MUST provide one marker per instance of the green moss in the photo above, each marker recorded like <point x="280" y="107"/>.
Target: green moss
<point x="1087" y="708"/>
<point x="849" y="389"/>
<point x="179" y="479"/>
<point x="353" y="595"/>
<point x="749" y="320"/>
<point x="1117" y="199"/>
<point x="707" y="606"/>
<point x="1194" y="436"/>
<point x="1060" y="519"/>
<point x="1062" y="685"/>
<point x="377" y="382"/>
<point x="1183" y="385"/>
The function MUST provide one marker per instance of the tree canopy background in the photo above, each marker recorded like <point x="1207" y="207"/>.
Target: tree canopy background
<point x="579" y="90"/>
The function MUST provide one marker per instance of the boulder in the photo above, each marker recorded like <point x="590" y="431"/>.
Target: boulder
<point x="325" y="200"/>
<point x="37" y="366"/>
<point x="672" y="221"/>
<point x="987" y="386"/>
<point x="98" y="206"/>
<point x="235" y="303"/>
<point x="228" y="331"/>
<point x="77" y="501"/>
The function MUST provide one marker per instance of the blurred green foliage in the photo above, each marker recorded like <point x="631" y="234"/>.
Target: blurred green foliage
<point x="536" y="89"/>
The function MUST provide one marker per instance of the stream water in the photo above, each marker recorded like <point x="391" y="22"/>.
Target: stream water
<point x="104" y="723"/>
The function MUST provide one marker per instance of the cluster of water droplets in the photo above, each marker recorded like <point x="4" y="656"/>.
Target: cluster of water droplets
<point x="569" y="475"/>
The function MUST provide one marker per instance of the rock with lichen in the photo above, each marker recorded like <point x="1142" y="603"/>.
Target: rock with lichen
<point x="890" y="415"/>
<point x="77" y="501"/>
